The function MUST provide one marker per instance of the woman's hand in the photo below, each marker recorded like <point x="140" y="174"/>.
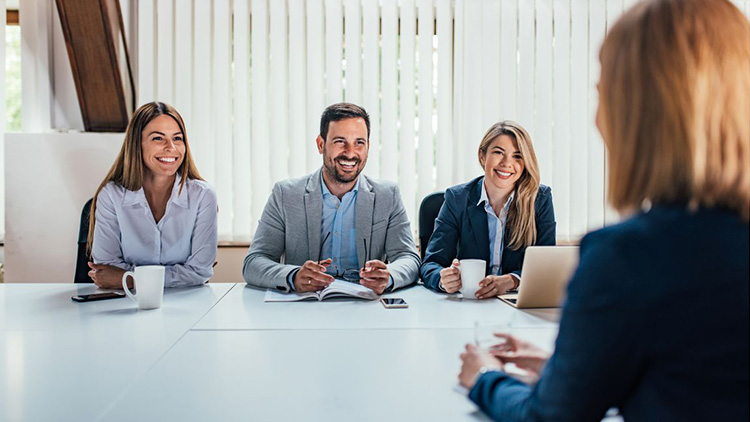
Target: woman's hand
<point x="522" y="353"/>
<point x="475" y="358"/>
<point x="495" y="285"/>
<point x="450" y="278"/>
<point x="107" y="276"/>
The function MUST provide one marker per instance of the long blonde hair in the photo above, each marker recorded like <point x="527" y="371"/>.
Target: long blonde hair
<point x="128" y="169"/>
<point x="522" y="213"/>
<point x="675" y="105"/>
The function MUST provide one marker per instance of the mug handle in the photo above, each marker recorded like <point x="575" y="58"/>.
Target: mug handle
<point x="125" y="284"/>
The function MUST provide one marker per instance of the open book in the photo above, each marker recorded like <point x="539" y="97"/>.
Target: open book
<point x="337" y="289"/>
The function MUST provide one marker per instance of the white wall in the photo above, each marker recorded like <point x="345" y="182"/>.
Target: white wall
<point x="48" y="179"/>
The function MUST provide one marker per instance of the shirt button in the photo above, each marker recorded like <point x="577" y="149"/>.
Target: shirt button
<point x="335" y="233"/>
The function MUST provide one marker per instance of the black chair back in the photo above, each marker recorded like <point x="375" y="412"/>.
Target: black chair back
<point x="82" y="266"/>
<point x="428" y="212"/>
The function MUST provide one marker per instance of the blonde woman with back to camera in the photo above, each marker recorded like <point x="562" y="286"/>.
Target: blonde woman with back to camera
<point x="638" y="331"/>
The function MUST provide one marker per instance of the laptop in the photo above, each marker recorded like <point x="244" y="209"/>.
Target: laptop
<point x="545" y="274"/>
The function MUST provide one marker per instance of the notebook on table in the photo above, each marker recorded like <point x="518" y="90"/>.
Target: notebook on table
<point x="545" y="274"/>
<point x="339" y="289"/>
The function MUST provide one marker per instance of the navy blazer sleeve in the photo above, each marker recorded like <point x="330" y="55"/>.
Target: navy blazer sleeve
<point x="442" y="247"/>
<point x="593" y="366"/>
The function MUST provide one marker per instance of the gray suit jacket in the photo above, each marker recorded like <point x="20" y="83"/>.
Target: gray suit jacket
<point x="289" y="232"/>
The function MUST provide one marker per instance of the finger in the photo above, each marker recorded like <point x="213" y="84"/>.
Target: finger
<point x="450" y="277"/>
<point x="487" y="291"/>
<point x="455" y="263"/>
<point x="453" y="284"/>
<point x="375" y="264"/>
<point x="374" y="274"/>
<point x="326" y="262"/>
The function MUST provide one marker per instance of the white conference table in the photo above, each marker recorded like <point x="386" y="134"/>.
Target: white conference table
<point x="220" y="353"/>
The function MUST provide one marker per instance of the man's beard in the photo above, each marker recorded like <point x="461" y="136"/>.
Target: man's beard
<point x="333" y="171"/>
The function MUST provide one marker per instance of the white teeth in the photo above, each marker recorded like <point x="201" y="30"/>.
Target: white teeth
<point x="347" y="163"/>
<point x="503" y="174"/>
<point x="167" y="159"/>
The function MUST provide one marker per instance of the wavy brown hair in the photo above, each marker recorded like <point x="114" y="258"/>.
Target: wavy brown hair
<point x="522" y="214"/>
<point x="128" y="169"/>
<point x="674" y="105"/>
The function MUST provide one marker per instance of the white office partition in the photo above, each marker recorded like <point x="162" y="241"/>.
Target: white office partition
<point x="407" y="106"/>
<point x="427" y="113"/>
<point x="199" y="129"/>
<point x="316" y="100"/>
<point x="2" y="122"/>
<point x="221" y="115"/>
<point x="353" y="48"/>
<point x="242" y="121"/>
<point x="301" y="136"/>
<point x="444" y="142"/>
<point x="260" y="142"/>
<point x="165" y="51"/>
<point x="278" y="131"/>
<point x="334" y="30"/>
<point x="251" y="78"/>
<point x="389" y="91"/>
<point x="371" y="80"/>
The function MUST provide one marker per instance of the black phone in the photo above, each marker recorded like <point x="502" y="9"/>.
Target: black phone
<point x="393" y="302"/>
<point x="98" y="296"/>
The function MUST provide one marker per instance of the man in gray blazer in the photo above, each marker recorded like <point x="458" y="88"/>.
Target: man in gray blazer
<point x="335" y="222"/>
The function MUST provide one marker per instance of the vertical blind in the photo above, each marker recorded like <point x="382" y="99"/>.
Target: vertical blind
<point x="251" y="78"/>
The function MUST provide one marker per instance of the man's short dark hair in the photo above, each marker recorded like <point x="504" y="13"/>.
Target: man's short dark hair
<point x="342" y="111"/>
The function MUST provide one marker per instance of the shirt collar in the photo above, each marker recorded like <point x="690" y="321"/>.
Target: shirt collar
<point x="327" y="192"/>
<point x="139" y="197"/>
<point x="486" y="199"/>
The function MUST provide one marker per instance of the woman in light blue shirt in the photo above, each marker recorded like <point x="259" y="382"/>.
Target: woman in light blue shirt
<point x="153" y="208"/>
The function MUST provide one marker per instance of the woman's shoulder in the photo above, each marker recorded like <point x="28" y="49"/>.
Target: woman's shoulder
<point x="200" y="189"/>
<point x="112" y="191"/>
<point x="463" y="189"/>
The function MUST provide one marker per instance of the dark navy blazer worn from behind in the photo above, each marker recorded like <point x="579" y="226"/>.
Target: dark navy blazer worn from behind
<point x="461" y="231"/>
<point x="655" y="323"/>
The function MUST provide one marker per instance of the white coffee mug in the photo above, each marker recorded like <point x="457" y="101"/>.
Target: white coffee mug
<point x="149" y="285"/>
<point x="472" y="272"/>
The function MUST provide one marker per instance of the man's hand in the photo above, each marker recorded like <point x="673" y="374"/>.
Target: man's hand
<point x="107" y="276"/>
<point x="495" y="285"/>
<point x="450" y="278"/>
<point x="523" y="354"/>
<point x="475" y="358"/>
<point x="312" y="276"/>
<point x="375" y="276"/>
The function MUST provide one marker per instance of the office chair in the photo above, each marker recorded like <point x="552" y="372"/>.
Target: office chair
<point x="82" y="267"/>
<point x="428" y="212"/>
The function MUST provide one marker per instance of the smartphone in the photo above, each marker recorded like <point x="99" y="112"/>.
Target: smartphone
<point x="393" y="302"/>
<point x="98" y="296"/>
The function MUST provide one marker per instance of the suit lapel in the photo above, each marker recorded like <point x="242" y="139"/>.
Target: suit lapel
<point x="478" y="221"/>
<point x="313" y="214"/>
<point x="364" y="216"/>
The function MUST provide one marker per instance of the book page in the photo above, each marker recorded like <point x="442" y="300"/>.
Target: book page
<point x="277" y="296"/>
<point x="341" y="288"/>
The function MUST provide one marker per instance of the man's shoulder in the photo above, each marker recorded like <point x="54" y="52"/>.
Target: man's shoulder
<point x="379" y="186"/>
<point x="295" y="185"/>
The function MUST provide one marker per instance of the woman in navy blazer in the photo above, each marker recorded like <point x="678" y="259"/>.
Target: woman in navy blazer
<point x="638" y="331"/>
<point x="493" y="217"/>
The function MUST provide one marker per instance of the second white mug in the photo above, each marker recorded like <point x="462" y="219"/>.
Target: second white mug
<point x="149" y="286"/>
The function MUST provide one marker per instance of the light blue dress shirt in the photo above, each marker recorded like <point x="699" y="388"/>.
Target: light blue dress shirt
<point x="339" y="220"/>
<point x="496" y="226"/>
<point x="184" y="241"/>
